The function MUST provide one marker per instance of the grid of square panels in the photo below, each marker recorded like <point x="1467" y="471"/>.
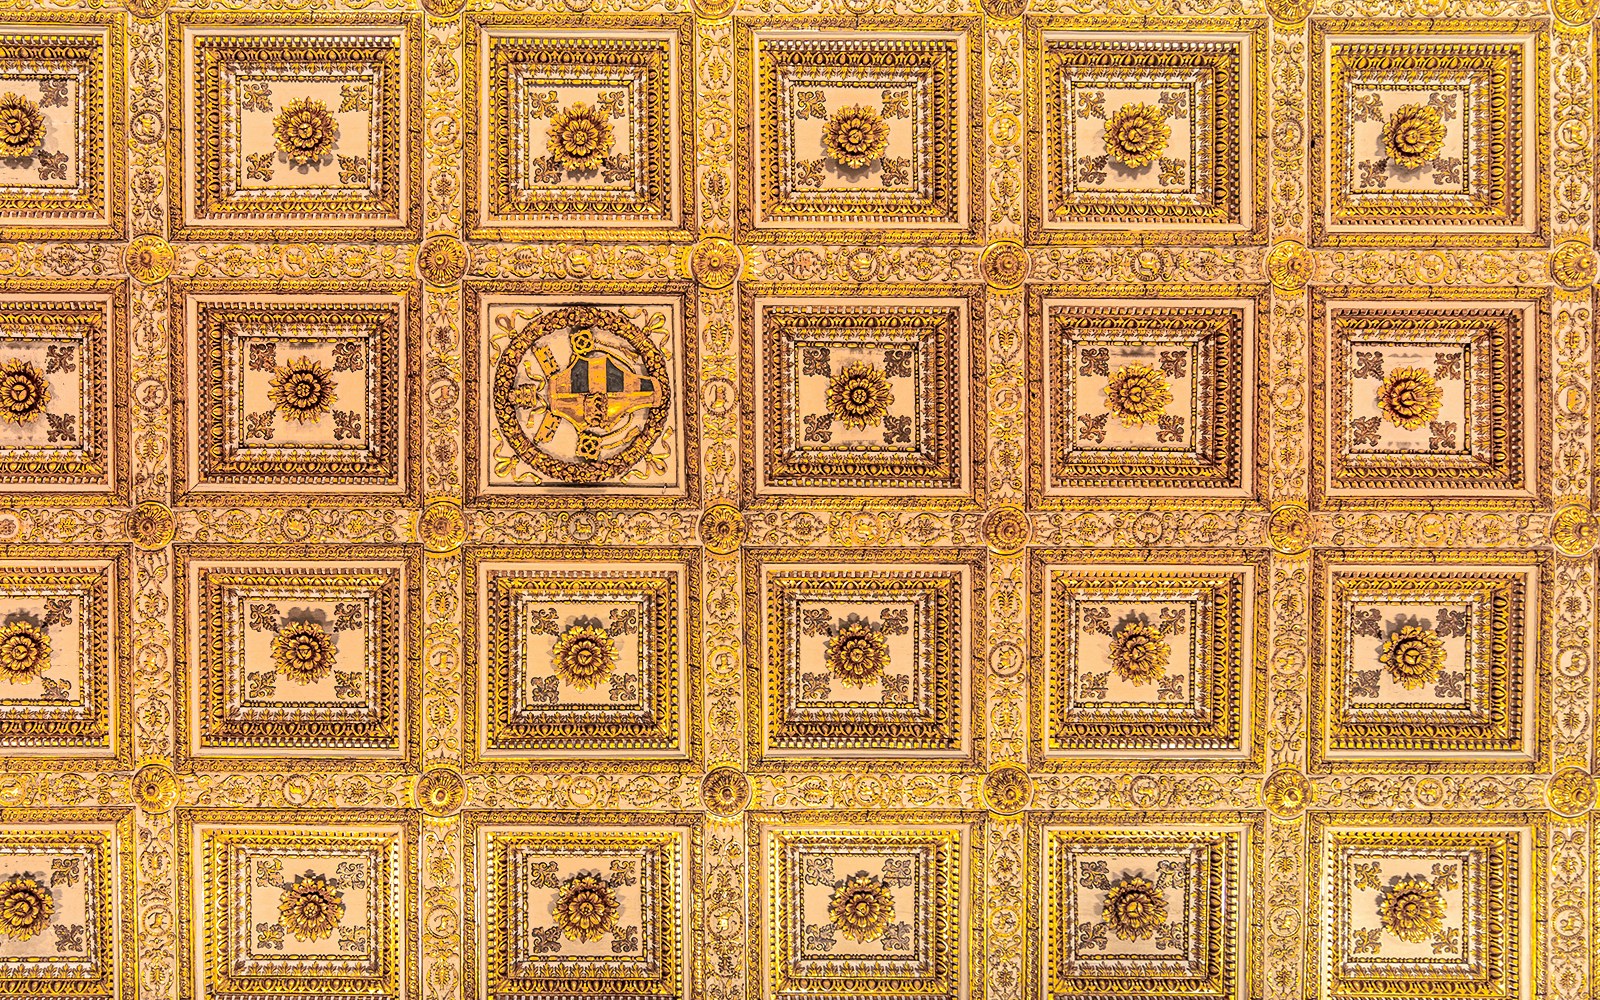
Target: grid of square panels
<point x="605" y="499"/>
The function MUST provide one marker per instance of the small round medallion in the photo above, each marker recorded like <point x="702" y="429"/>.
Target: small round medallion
<point x="441" y="792"/>
<point x="155" y="788"/>
<point x="1571" y="792"/>
<point x="715" y="262"/>
<point x="721" y="529"/>
<point x="149" y="259"/>
<point x="1574" y="530"/>
<point x="1289" y="13"/>
<point x="1286" y="793"/>
<point x="1004" y="265"/>
<point x="147" y="9"/>
<point x="1288" y="263"/>
<point x="725" y="792"/>
<point x="151" y="525"/>
<point x="443" y="8"/>
<point x="442" y="527"/>
<point x="1289" y="529"/>
<point x="1006" y="530"/>
<point x="1572" y="266"/>
<point x="1007" y="790"/>
<point x="442" y="260"/>
<point x="1576" y="13"/>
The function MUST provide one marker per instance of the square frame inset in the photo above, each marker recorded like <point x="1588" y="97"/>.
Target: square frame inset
<point x="922" y="75"/>
<point x="85" y="865"/>
<point x="1147" y="710"/>
<point x="915" y="349"/>
<point x="1413" y="615"/>
<point x="356" y="862"/>
<point x="916" y="891"/>
<point x="73" y="61"/>
<point x="70" y="337"/>
<point x="520" y="63"/>
<point x="1481" y="356"/>
<point x="1201" y="79"/>
<point x="66" y="603"/>
<point x="223" y="191"/>
<point x="1196" y="870"/>
<point x="898" y="634"/>
<point x="649" y="860"/>
<point x="1123" y="355"/>
<point x="1471" y="880"/>
<point x="595" y="609"/>
<point x="307" y="384"/>
<point x="1490" y="190"/>
<point x="258" y="625"/>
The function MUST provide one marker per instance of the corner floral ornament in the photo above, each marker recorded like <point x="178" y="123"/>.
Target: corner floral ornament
<point x="310" y="908"/>
<point x="1137" y="135"/>
<point x="1412" y="909"/>
<point x="24" y="652"/>
<point x="305" y="131"/>
<point x="24" y="393"/>
<point x="1414" y="135"/>
<point x="586" y="908"/>
<point x="861" y="907"/>
<point x="1409" y="397"/>
<point x="21" y="126"/>
<point x="1137" y="394"/>
<point x="1134" y="908"/>
<point x="1414" y="656"/>
<point x="855" y="136"/>
<point x="25" y="907"/>
<point x="1138" y="653"/>
<point x="579" y="138"/>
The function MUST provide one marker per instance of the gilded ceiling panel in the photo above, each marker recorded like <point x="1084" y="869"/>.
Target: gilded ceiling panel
<point x="798" y="499"/>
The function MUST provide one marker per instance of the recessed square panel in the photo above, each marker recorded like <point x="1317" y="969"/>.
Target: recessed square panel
<point x="866" y="655"/>
<point x="581" y="395"/>
<point x="1418" y="399"/>
<point x="292" y="652"/>
<point x="1421" y="660"/>
<point x="65" y="656"/>
<point x="580" y="128"/>
<point x="1154" y="660"/>
<point x="867" y="125"/>
<point x="310" y="392"/>
<point x="852" y="906"/>
<point x="63" y="390"/>
<point x="582" y="655"/>
<point x="66" y="904"/>
<point x="863" y="399"/>
<point x="311" y="124"/>
<point x="1145" y="129"/>
<point x="1131" y="906"/>
<point x="61" y="152"/>
<point x="581" y="905"/>
<point x="286" y="902"/>
<point x="1135" y="399"/>
<point x="1432" y="131"/>
<point x="1440" y="908"/>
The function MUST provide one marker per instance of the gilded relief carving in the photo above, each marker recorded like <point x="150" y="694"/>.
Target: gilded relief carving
<point x="614" y="499"/>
